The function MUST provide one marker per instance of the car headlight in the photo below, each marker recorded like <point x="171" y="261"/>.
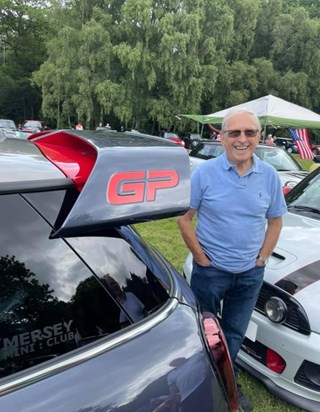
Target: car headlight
<point x="276" y="309"/>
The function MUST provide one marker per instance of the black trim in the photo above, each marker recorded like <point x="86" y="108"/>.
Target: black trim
<point x="308" y="376"/>
<point x="35" y="186"/>
<point x="296" y="318"/>
<point x="276" y="255"/>
<point x="290" y="397"/>
<point x="301" y="278"/>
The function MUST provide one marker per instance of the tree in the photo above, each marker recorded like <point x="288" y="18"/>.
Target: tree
<point x="138" y="63"/>
<point x="23" y="298"/>
<point x="78" y="61"/>
<point x="22" y="31"/>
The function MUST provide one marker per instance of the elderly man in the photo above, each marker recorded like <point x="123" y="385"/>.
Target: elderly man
<point x="239" y="205"/>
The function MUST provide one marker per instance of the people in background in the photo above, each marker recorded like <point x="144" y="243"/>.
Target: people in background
<point x="129" y="301"/>
<point x="269" y="140"/>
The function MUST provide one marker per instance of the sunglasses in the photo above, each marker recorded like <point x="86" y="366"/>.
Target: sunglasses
<point x="237" y="133"/>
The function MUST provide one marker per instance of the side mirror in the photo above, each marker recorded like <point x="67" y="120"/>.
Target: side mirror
<point x="316" y="159"/>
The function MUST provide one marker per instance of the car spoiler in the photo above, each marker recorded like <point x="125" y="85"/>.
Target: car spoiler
<point x="117" y="183"/>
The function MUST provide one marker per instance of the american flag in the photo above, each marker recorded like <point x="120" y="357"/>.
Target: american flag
<point x="301" y="139"/>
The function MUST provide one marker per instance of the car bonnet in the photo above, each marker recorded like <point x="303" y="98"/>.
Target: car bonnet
<point x="295" y="264"/>
<point x="291" y="178"/>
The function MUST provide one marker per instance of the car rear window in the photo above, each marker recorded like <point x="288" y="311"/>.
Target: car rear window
<point x="58" y="295"/>
<point x="207" y="151"/>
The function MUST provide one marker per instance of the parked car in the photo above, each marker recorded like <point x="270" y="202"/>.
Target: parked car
<point x="105" y="129"/>
<point x="282" y="344"/>
<point x="135" y="131"/>
<point x="287" y="143"/>
<point x="32" y="126"/>
<point x="190" y="139"/>
<point x="92" y="317"/>
<point x="315" y="149"/>
<point x="8" y="128"/>
<point x="173" y="137"/>
<point x="289" y="170"/>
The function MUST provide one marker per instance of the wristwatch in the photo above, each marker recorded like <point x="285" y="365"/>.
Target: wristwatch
<point x="263" y="259"/>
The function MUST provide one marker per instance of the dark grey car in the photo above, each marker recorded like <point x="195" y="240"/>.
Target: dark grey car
<point x="92" y="317"/>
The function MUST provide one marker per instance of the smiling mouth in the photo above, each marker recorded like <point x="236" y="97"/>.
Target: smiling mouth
<point x="241" y="148"/>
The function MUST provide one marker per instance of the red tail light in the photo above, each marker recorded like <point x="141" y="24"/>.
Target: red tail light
<point x="275" y="362"/>
<point x="219" y="351"/>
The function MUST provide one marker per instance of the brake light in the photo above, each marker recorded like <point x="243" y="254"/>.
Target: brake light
<point x="275" y="362"/>
<point x="74" y="156"/>
<point x="220" y="353"/>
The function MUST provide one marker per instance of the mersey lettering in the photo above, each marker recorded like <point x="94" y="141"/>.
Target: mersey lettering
<point x="25" y="342"/>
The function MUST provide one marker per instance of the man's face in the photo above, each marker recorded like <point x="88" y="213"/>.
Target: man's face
<point x="113" y="285"/>
<point x="240" y="146"/>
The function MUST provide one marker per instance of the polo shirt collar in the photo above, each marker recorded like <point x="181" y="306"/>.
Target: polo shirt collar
<point x="256" y="167"/>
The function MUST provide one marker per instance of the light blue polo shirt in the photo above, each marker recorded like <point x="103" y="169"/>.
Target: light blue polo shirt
<point x="232" y="210"/>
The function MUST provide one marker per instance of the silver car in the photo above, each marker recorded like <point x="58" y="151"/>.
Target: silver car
<point x="289" y="170"/>
<point x="8" y="128"/>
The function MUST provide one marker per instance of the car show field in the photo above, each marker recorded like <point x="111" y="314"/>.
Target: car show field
<point x="157" y="233"/>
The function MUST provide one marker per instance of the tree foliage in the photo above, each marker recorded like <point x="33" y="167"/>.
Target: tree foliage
<point x="138" y="63"/>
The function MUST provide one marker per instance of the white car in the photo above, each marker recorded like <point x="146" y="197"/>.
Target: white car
<point x="289" y="170"/>
<point x="282" y="344"/>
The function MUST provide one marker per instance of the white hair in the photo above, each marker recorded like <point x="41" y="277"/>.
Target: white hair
<point x="233" y="112"/>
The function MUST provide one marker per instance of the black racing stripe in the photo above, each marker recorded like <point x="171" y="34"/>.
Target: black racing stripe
<point x="298" y="280"/>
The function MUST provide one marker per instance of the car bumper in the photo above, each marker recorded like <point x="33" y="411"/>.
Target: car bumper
<point x="303" y="403"/>
<point x="294" y="348"/>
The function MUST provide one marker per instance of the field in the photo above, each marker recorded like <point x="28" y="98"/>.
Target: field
<point x="165" y="236"/>
<point x="305" y="163"/>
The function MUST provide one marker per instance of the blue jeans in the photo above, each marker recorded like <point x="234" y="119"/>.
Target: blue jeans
<point x="239" y="292"/>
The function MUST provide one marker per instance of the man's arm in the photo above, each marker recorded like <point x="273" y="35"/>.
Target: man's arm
<point x="274" y="227"/>
<point x="189" y="236"/>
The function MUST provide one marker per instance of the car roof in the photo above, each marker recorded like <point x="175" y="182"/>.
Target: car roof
<point x="132" y="178"/>
<point x="105" y="138"/>
<point x="7" y="121"/>
<point x="34" y="120"/>
<point x="22" y="162"/>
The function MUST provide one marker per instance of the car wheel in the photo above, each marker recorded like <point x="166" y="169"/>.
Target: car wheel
<point x="290" y="149"/>
<point x="315" y="151"/>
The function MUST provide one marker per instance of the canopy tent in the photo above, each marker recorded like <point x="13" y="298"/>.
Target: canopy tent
<point x="271" y="111"/>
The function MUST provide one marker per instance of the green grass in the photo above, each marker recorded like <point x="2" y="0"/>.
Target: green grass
<point x="165" y="236"/>
<point x="305" y="163"/>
